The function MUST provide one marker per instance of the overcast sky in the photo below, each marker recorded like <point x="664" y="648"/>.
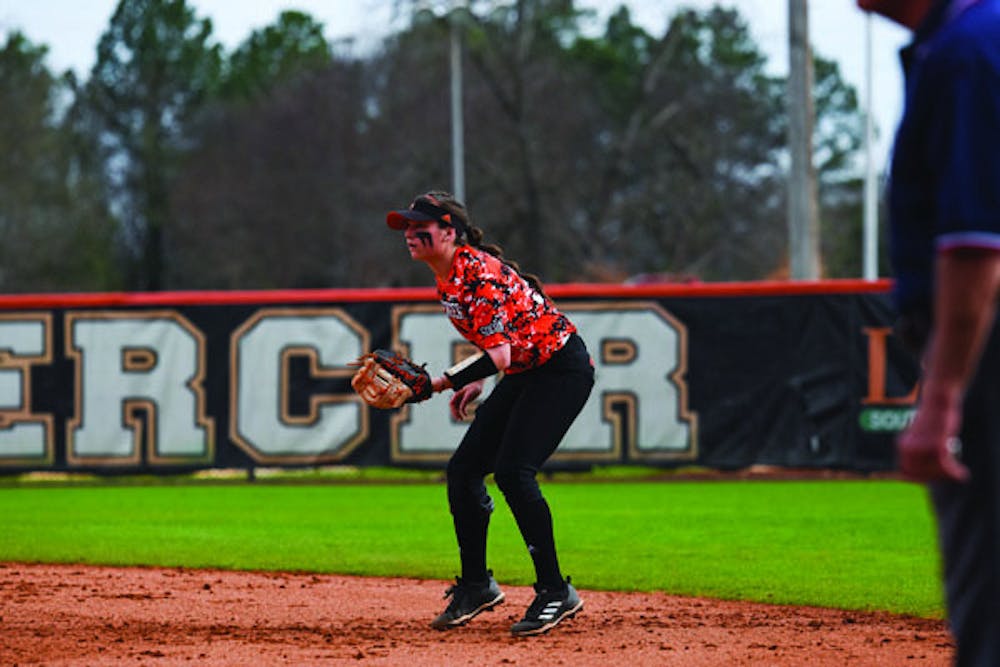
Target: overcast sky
<point x="70" y="28"/>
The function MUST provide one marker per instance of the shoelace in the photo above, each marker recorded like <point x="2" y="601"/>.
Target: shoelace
<point x="542" y="599"/>
<point x="454" y="588"/>
<point x="454" y="593"/>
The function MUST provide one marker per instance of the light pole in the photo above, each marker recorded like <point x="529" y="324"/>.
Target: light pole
<point x="803" y="224"/>
<point x="870" y="243"/>
<point x="457" y="122"/>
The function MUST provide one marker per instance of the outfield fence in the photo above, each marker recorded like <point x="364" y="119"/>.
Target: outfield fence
<point x="798" y="375"/>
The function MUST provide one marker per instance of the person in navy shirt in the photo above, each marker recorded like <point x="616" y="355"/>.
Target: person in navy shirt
<point x="944" y="207"/>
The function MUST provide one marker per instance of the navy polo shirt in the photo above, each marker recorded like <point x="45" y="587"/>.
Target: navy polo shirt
<point x="944" y="187"/>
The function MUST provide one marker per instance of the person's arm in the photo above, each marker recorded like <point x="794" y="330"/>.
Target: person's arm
<point x="967" y="285"/>
<point x="477" y="367"/>
<point x="500" y="356"/>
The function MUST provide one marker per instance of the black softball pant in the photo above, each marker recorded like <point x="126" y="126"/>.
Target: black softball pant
<point x="515" y="430"/>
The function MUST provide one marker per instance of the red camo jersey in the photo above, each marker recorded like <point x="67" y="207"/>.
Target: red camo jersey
<point x="490" y="304"/>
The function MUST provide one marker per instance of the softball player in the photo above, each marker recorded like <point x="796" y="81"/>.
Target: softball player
<point x="547" y="378"/>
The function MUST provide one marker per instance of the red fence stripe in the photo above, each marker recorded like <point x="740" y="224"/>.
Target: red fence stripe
<point x="568" y="290"/>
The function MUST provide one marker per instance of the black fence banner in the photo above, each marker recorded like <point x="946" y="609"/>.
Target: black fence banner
<point x="726" y="376"/>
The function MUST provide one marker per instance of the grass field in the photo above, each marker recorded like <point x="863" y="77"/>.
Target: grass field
<point x="847" y="544"/>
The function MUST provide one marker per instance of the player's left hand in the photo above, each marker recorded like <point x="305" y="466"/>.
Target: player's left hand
<point x="929" y="448"/>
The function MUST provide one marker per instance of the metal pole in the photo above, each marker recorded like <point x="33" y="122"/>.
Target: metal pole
<point x="803" y="223"/>
<point x="870" y="248"/>
<point x="457" y="124"/>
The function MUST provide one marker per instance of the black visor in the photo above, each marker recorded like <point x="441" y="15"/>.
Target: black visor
<point x="423" y="209"/>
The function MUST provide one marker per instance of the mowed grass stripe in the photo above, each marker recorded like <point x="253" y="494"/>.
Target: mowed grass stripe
<point x="844" y="544"/>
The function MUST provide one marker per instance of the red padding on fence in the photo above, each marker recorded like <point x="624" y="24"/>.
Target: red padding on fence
<point x="568" y="290"/>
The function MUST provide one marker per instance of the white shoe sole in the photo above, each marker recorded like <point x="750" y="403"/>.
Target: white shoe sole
<point x="462" y="620"/>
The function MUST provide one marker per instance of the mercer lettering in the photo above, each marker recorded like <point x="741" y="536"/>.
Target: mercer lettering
<point x="138" y="389"/>
<point x="639" y="400"/>
<point x="25" y="341"/>
<point x="260" y="389"/>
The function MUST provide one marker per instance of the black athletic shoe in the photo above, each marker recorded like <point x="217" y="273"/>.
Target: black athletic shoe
<point x="549" y="608"/>
<point x="468" y="599"/>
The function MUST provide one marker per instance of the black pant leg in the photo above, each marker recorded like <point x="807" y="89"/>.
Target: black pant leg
<point x="544" y="411"/>
<point x="968" y="517"/>
<point x="468" y="499"/>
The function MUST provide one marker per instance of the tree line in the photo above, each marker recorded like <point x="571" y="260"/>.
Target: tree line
<point x="179" y="165"/>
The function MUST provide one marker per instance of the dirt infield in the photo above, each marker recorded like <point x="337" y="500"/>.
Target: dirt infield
<point x="81" y="615"/>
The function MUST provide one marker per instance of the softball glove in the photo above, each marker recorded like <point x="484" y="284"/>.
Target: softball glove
<point x="386" y="380"/>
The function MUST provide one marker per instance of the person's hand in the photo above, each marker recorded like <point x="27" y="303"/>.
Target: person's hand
<point x="462" y="397"/>
<point x="929" y="448"/>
